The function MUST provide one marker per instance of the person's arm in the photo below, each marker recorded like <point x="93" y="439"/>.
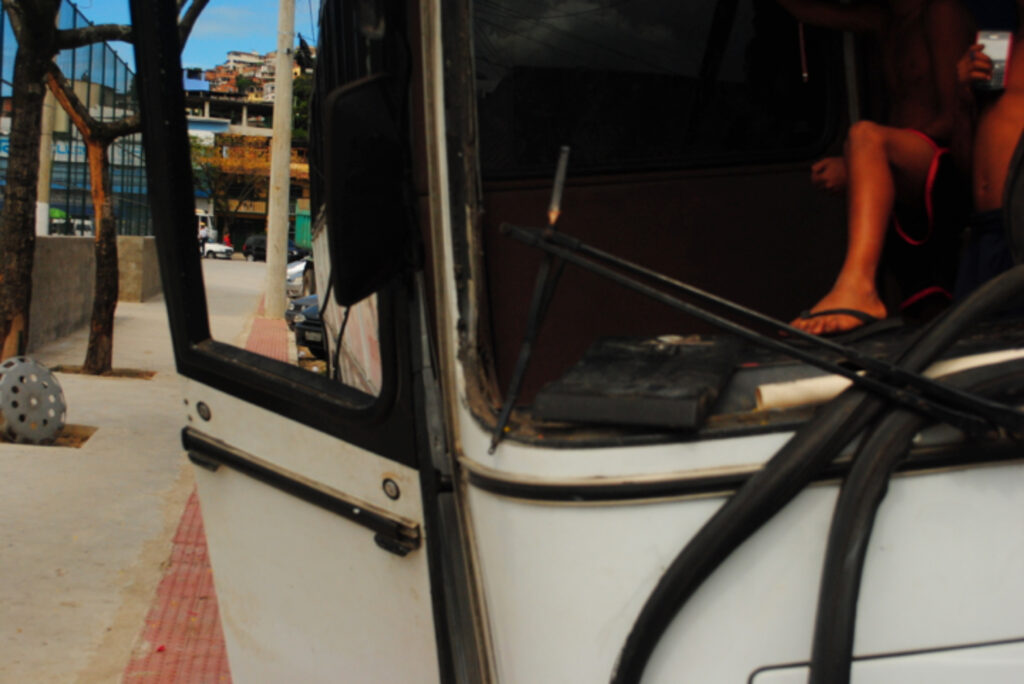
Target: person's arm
<point x="950" y="31"/>
<point x="974" y="66"/>
<point x="830" y="174"/>
<point x="858" y="17"/>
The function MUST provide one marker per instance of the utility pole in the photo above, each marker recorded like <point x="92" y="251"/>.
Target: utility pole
<point x="45" y="165"/>
<point x="280" y="163"/>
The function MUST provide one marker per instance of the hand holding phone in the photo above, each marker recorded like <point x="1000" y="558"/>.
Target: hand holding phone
<point x="997" y="46"/>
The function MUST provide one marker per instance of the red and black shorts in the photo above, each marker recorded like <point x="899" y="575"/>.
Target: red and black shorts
<point x="922" y="249"/>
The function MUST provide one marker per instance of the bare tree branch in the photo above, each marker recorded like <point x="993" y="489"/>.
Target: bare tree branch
<point x="64" y="91"/>
<point x="27" y="18"/>
<point x="69" y="39"/>
<point x="188" y="21"/>
<point x="15" y="15"/>
<point x="112" y="130"/>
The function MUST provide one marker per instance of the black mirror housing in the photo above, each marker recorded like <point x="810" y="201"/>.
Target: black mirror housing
<point x="368" y="222"/>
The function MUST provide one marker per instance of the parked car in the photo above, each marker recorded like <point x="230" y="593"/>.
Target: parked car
<point x="299" y="280"/>
<point x="309" y="331"/>
<point x="255" y="249"/>
<point x="295" y="307"/>
<point x="217" y="250"/>
<point x="294" y="279"/>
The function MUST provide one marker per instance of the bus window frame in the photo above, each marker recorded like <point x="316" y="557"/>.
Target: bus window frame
<point x="384" y="425"/>
<point x="835" y="124"/>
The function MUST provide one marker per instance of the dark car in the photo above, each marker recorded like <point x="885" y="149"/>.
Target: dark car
<point x="255" y="249"/>
<point x="309" y="331"/>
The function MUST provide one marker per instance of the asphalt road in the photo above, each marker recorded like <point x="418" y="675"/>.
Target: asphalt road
<point x="233" y="291"/>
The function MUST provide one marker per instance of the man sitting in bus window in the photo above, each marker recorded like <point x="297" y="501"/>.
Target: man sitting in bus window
<point x="999" y="113"/>
<point x="887" y="167"/>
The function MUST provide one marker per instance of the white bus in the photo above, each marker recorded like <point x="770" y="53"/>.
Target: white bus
<point x="541" y="454"/>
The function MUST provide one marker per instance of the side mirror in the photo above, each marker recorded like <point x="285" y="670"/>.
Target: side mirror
<point x="367" y="217"/>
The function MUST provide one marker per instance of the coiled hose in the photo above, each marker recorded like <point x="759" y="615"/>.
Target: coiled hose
<point x="862" y="492"/>
<point x="812" y="448"/>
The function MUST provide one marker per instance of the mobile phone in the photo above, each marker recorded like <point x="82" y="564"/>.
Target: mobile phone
<point x="997" y="45"/>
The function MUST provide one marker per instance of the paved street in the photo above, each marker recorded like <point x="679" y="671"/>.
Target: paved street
<point x="86" y="532"/>
<point x="232" y="293"/>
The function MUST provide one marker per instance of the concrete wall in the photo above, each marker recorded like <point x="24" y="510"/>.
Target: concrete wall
<point x="64" y="277"/>
<point x="140" y="275"/>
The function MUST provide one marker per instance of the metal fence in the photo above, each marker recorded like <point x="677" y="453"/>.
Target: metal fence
<point x="106" y="85"/>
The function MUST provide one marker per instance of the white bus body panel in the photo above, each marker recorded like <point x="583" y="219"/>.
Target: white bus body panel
<point x="305" y="595"/>
<point x="563" y="583"/>
<point x="990" y="664"/>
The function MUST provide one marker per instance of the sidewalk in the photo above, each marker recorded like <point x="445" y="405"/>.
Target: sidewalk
<point x="89" y="534"/>
<point x="181" y="641"/>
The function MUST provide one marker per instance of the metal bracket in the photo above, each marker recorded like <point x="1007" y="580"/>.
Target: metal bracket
<point x="394" y="534"/>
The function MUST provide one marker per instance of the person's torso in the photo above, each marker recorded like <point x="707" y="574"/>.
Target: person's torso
<point x="909" y="73"/>
<point x="1000" y="125"/>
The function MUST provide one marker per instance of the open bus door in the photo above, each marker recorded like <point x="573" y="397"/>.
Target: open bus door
<point x="321" y="502"/>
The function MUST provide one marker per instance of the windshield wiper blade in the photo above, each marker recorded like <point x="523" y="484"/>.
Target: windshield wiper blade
<point x="543" y="291"/>
<point x="968" y="412"/>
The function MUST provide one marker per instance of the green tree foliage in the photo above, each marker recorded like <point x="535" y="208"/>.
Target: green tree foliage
<point x="302" y="92"/>
<point x="243" y="83"/>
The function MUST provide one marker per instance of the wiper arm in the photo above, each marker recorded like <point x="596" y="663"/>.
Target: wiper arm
<point x="968" y="412"/>
<point x="543" y="291"/>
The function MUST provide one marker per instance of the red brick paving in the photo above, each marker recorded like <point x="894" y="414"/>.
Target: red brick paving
<point x="182" y="641"/>
<point x="269" y="337"/>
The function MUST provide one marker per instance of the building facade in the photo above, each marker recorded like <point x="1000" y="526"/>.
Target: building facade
<point x="106" y="85"/>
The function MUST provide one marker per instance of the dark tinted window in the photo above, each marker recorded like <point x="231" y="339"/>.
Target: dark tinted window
<point x="647" y="84"/>
<point x="352" y="46"/>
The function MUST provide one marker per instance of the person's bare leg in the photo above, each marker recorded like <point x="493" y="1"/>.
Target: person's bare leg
<point x="881" y="162"/>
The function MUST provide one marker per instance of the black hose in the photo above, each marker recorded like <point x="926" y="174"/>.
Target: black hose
<point x="813" y="446"/>
<point x="862" y="493"/>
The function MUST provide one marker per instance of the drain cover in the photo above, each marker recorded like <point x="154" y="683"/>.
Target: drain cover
<point x="31" y="402"/>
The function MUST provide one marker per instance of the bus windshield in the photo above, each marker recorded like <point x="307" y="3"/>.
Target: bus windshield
<point x="643" y="84"/>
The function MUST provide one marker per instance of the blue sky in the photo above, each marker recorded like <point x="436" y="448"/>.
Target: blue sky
<point x="248" y="25"/>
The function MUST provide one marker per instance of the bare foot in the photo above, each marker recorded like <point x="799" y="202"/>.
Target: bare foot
<point x="841" y="298"/>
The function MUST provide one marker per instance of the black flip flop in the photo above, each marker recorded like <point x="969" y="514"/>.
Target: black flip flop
<point x="871" y="324"/>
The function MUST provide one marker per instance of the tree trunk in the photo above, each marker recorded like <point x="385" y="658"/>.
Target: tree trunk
<point x="100" y="352"/>
<point x="223" y="219"/>
<point x="18" y="218"/>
